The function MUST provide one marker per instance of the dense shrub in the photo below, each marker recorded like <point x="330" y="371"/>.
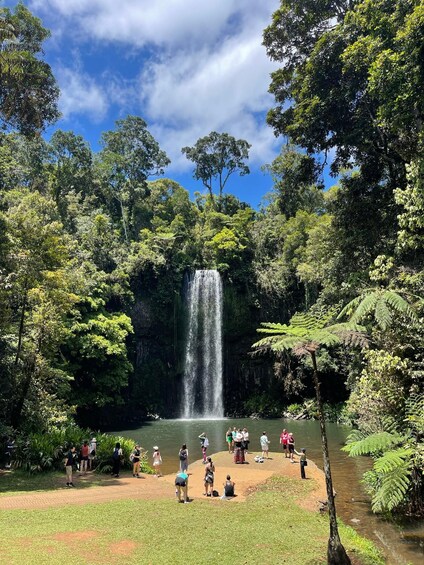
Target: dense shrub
<point x="46" y="452"/>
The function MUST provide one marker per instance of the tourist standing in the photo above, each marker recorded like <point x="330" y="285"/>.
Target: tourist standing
<point x="246" y="439"/>
<point x="183" y="456"/>
<point x="92" y="452"/>
<point x="204" y="442"/>
<point x="181" y="482"/>
<point x="116" y="459"/>
<point x="290" y="445"/>
<point x="264" y="445"/>
<point x="209" y="477"/>
<point x="238" y="448"/>
<point x="69" y="464"/>
<point x="284" y="438"/>
<point x="157" y="461"/>
<point x="229" y="439"/>
<point x="303" y="462"/>
<point x="84" y="457"/>
<point x="135" y="458"/>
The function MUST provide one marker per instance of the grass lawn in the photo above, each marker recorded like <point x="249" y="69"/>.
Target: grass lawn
<point x="269" y="528"/>
<point x="19" y="482"/>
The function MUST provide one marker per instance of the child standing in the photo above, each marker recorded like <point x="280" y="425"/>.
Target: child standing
<point x="157" y="461"/>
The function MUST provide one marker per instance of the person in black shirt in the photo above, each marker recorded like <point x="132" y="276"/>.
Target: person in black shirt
<point x="69" y="464"/>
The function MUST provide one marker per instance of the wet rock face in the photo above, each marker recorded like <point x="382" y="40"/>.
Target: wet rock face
<point x="158" y="346"/>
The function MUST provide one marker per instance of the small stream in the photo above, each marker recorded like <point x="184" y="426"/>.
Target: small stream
<point x="402" y="545"/>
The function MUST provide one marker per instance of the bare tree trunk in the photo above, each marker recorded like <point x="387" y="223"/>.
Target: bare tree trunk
<point x="21" y="327"/>
<point x="336" y="553"/>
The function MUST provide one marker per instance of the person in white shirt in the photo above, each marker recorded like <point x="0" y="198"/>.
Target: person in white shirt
<point x="246" y="439"/>
<point x="205" y="444"/>
<point x="92" y="448"/>
<point x="264" y="445"/>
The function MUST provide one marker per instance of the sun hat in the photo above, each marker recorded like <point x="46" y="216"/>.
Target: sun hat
<point x="155" y="447"/>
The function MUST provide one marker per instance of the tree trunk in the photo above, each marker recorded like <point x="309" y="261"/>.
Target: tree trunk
<point x="336" y="553"/>
<point x="21" y="326"/>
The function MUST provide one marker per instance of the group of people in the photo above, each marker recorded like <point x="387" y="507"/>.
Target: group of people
<point x="237" y="441"/>
<point x="82" y="459"/>
<point x="181" y="483"/>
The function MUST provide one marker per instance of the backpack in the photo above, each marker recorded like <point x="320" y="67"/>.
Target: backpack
<point x="183" y="455"/>
<point x="115" y="453"/>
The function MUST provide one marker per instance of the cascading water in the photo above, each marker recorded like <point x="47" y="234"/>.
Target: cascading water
<point x="203" y="354"/>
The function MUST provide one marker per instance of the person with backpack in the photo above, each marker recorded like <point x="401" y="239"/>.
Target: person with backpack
<point x="183" y="456"/>
<point x="116" y="459"/>
<point x="303" y="462"/>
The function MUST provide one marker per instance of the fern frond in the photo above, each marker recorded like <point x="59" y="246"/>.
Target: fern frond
<point x="350" y="308"/>
<point x="399" y="304"/>
<point x="382" y="314"/>
<point x="393" y="488"/>
<point x="374" y="443"/>
<point x="392" y="459"/>
<point x="365" y="307"/>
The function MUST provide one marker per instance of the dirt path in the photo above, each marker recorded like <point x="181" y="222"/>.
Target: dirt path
<point x="246" y="477"/>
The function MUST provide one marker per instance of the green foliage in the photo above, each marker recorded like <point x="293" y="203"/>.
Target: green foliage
<point x="39" y="453"/>
<point x="217" y="156"/>
<point x="395" y="481"/>
<point x="381" y="303"/>
<point x="28" y="90"/>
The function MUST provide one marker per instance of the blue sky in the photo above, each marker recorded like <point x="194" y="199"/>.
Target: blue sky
<point x="187" y="67"/>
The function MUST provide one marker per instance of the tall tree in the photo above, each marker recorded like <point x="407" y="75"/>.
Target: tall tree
<point x="217" y="156"/>
<point x="351" y="81"/>
<point x="297" y="184"/>
<point x="28" y="90"/>
<point x="304" y="336"/>
<point x="129" y="156"/>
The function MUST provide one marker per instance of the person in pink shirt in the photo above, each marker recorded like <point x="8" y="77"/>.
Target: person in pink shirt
<point x="284" y="439"/>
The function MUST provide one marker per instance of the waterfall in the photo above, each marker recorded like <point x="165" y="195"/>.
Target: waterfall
<point x="203" y="354"/>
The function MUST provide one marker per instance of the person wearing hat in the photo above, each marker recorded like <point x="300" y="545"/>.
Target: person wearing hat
<point x="157" y="461"/>
<point x="135" y="458"/>
<point x="92" y="452"/>
<point x="181" y="483"/>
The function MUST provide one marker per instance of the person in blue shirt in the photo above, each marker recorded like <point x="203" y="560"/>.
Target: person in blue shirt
<point x="181" y="483"/>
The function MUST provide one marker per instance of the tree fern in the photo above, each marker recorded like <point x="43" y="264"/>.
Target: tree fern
<point x="372" y="444"/>
<point x="393" y="488"/>
<point x="396" y="476"/>
<point x="379" y="303"/>
<point x="304" y="335"/>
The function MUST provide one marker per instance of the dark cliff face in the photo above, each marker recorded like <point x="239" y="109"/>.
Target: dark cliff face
<point x="158" y="349"/>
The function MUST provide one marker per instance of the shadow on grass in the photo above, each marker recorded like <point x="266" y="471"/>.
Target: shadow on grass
<point x="15" y="482"/>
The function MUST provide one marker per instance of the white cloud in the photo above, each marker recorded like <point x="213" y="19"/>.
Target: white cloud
<point x="141" y="22"/>
<point x="80" y="95"/>
<point x="201" y="67"/>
